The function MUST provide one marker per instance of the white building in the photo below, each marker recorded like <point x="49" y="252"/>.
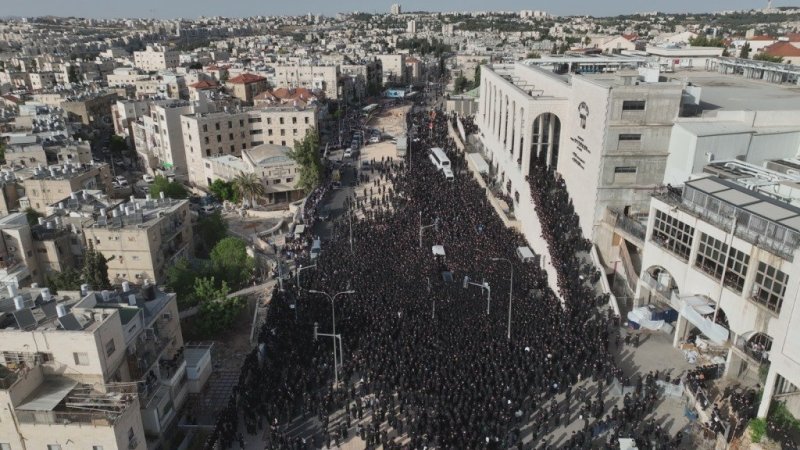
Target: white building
<point x="606" y="135"/>
<point x="93" y="369"/>
<point x="318" y="78"/>
<point x="155" y="58"/>
<point x="722" y="252"/>
<point x="396" y="9"/>
<point x="271" y="163"/>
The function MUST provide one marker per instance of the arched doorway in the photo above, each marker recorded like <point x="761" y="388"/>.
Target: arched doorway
<point x="546" y="140"/>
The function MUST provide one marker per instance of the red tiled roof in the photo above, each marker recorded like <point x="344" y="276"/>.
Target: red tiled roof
<point x="203" y="85"/>
<point x="13" y="99"/>
<point x="793" y="37"/>
<point x="782" y="48"/>
<point x="246" y="78"/>
<point x="631" y="37"/>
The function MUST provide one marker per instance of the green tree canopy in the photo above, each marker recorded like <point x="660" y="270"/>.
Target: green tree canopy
<point x="118" y="144"/>
<point x="306" y="155"/>
<point x="248" y="186"/>
<point x="32" y="215"/>
<point x="230" y="261"/>
<point x="171" y="189"/>
<point x="768" y="58"/>
<point x="95" y="269"/>
<point x="68" y="279"/>
<point x="217" y="312"/>
<point x="210" y="229"/>
<point x="745" y="52"/>
<point x="705" y="41"/>
<point x="224" y="190"/>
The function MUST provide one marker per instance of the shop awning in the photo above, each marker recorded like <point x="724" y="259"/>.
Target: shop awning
<point x="715" y="332"/>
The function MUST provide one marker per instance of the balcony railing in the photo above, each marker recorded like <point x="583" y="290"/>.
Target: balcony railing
<point x="627" y="224"/>
<point x="755" y="352"/>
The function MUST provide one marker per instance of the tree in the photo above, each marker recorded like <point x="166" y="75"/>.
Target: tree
<point x="460" y="84"/>
<point x="95" y="269"/>
<point x="533" y="55"/>
<point x="230" y="261"/>
<point x="768" y="58"/>
<point x="745" y="52"/>
<point x="32" y="215"/>
<point x="224" y="190"/>
<point x="210" y="229"/>
<point x="249" y="187"/>
<point x="181" y="278"/>
<point x="72" y="74"/>
<point x="306" y="155"/>
<point x="705" y="41"/>
<point x="196" y="66"/>
<point x="171" y="189"/>
<point x="117" y="144"/>
<point x="476" y="80"/>
<point x="217" y="312"/>
<point x="68" y="279"/>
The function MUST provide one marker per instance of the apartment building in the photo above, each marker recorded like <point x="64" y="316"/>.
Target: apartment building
<point x="155" y="58"/>
<point x="89" y="108"/>
<point x="42" y="80"/>
<point x="142" y="238"/>
<point x="46" y="185"/>
<point x="17" y="260"/>
<point x="162" y="146"/>
<point x="317" y="78"/>
<point x="218" y="134"/>
<point x="722" y="251"/>
<point x="278" y="172"/>
<point x="366" y="79"/>
<point x="41" y="152"/>
<point x="247" y="86"/>
<point x="109" y="369"/>
<point x="393" y="68"/>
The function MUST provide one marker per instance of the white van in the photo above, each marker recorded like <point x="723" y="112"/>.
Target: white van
<point x="316" y="248"/>
<point x="439" y="158"/>
<point x="448" y="174"/>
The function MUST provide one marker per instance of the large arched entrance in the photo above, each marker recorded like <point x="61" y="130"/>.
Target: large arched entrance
<point x="545" y="140"/>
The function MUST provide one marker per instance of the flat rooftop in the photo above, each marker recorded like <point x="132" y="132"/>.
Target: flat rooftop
<point x="741" y="94"/>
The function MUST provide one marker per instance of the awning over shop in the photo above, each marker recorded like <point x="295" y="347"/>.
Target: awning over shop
<point x="715" y="332"/>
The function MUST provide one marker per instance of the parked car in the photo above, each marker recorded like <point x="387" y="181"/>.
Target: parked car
<point x="147" y="178"/>
<point x="208" y="209"/>
<point x="348" y="153"/>
<point x="120" y="180"/>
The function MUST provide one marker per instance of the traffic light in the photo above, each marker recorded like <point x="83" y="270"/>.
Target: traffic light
<point x="316" y="330"/>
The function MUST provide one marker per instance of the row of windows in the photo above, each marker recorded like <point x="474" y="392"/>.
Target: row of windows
<point x="770" y="283"/>
<point x="633" y="105"/>
<point x="281" y="121"/>
<point x="673" y="235"/>
<point x="711" y="256"/>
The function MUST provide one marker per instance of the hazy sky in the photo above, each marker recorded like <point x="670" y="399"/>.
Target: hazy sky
<point x="238" y="8"/>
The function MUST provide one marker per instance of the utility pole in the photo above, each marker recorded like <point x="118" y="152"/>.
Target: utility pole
<point x="485" y="286"/>
<point x="510" y="292"/>
<point x="333" y="322"/>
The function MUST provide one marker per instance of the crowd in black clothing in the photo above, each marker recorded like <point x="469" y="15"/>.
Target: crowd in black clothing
<point x="422" y="359"/>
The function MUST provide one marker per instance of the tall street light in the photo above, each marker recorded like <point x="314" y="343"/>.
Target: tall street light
<point x="333" y="321"/>
<point x="510" y="291"/>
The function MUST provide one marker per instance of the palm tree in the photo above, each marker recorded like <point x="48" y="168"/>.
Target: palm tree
<point x="248" y="186"/>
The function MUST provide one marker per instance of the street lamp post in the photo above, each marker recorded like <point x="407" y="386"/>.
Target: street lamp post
<point x="485" y="286"/>
<point x="333" y="322"/>
<point x="299" y="270"/>
<point x="510" y="291"/>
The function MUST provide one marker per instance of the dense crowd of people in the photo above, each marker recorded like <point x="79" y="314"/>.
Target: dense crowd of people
<point x="424" y="364"/>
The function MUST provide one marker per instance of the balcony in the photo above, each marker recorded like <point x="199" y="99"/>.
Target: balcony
<point x="61" y="401"/>
<point x="756" y="352"/>
<point x="632" y="225"/>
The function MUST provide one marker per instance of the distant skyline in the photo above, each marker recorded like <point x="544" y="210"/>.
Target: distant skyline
<point x="242" y="8"/>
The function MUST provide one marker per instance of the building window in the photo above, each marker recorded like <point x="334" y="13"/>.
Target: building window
<point x="53" y="447"/>
<point x="216" y="125"/>
<point x="269" y="121"/>
<point x="241" y="122"/>
<point x="110" y="347"/>
<point x="711" y="256"/>
<point x="281" y="120"/>
<point x="625" y="169"/>
<point x="81" y="358"/>
<point x="206" y="139"/>
<point x="205" y="128"/>
<point x="258" y="131"/>
<point x="94" y="447"/>
<point x="269" y="132"/>
<point x="306" y="120"/>
<point x="770" y="286"/>
<point x="294" y="120"/>
<point x="230" y="136"/>
<point x="738" y="262"/>
<point x="276" y="181"/>
<point x="289" y="180"/>
<point x="673" y="235"/>
<point x="283" y="132"/>
<point x="230" y="124"/>
<point x="630" y="137"/>
<point x="244" y="145"/>
<point x="219" y="138"/>
<point x="633" y="105"/>
<point x="233" y="148"/>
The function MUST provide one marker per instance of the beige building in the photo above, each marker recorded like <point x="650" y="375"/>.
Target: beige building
<point x="72" y="152"/>
<point x="218" y="134"/>
<point x="42" y="80"/>
<point x="142" y="238"/>
<point x="93" y="369"/>
<point x="46" y="185"/>
<point x="317" y="78"/>
<point x="271" y="163"/>
<point x="247" y="86"/>
<point x="155" y="58"/>
<point x="90" y="108"/>
<point x="394" y="68"/>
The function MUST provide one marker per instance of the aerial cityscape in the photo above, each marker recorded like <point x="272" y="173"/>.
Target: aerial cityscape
<point x="358" y="225"/>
